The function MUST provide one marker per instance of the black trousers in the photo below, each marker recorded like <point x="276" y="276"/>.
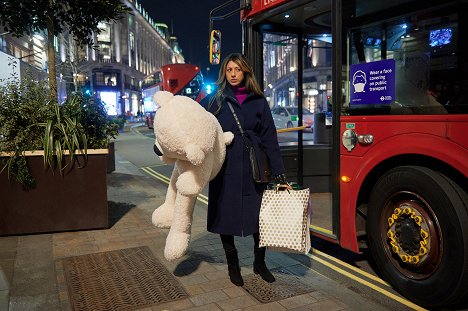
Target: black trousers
<point x="228" y="241"/>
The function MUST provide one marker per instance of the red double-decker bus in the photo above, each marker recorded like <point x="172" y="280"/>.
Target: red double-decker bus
<point x="387" y="159"/>
<point x="179" y="79"/>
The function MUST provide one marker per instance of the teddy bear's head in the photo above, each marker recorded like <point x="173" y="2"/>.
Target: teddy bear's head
<point x="184" y="130"/>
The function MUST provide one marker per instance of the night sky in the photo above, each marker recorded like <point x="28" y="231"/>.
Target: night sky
<point x="189" y="22"/>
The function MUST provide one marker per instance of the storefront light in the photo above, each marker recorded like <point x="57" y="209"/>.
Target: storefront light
<point x="110" y="102"/>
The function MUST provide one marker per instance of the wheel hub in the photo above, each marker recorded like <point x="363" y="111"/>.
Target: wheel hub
<point x="408" y="234"/>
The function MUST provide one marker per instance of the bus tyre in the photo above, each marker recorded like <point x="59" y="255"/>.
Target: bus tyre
<point x="418" y="236"/>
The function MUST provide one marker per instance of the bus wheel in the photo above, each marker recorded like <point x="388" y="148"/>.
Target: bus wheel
<point x="418" y="236"/>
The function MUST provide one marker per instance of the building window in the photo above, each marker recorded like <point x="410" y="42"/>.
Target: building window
<point x="100" y="78"/>
<point x="2" y="44"/>
<point x="272" y="59"/>
<point x="56" y="44"/>
<point x="106" y="78"/>
<point x="111" y="79"/>
<point x="132" y="41"/>
<point x="105" y="51"/>
<point x="105" y="32"/>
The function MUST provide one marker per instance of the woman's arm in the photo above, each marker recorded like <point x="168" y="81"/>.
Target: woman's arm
<point x="269" y="140"/>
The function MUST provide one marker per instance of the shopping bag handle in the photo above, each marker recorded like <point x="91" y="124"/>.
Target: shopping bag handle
<point x="282" y="187"/>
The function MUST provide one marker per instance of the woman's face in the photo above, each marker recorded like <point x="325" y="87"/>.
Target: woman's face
<point x="234" y="74"/>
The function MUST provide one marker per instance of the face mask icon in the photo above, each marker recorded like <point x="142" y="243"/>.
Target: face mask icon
<point x="359" y="81"/>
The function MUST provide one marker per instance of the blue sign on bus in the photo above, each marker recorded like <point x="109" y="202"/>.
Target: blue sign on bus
<point x="373" y="83"/>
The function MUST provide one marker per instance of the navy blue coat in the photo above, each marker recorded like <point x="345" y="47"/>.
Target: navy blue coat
<point x="234" y="198"/>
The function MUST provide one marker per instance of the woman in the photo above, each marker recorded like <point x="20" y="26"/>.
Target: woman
<point x="234" y="198"/>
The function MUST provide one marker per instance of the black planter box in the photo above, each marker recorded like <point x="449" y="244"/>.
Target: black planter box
<point x="75" y="201"/>
<point x="111" y="158"/>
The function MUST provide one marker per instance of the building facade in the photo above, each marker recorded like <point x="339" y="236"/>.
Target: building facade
<point x="124" y="53"/>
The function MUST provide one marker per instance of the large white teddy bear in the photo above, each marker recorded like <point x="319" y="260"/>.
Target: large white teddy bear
<point x="191" y="138"/>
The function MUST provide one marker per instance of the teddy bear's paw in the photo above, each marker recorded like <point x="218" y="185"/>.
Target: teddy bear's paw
<point x="228" y="137"/>
<point x="162" y="217"/>
<point x="176" y="245"/>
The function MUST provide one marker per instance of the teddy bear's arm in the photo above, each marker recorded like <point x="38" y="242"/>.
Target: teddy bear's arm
<point x="194" y="154"/>
<point x="192" y="178"/>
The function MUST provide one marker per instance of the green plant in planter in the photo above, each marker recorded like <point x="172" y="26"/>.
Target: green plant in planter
<point x="62" y="133"/>
<point x="91" y="113"/>
<point x="22" y="106"/>
<point x="119" y="121"/>
<point x="29" y="120"/>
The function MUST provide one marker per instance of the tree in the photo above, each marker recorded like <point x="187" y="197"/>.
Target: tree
<point x="79" y="17"/>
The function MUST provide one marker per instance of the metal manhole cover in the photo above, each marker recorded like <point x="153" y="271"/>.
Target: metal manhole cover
<point x="286" y="285"/>
<point x="123" y="279"/>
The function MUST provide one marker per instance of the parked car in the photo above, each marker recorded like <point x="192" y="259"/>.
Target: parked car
<point x="286" y="117"/>
<point x="149" y="120"/>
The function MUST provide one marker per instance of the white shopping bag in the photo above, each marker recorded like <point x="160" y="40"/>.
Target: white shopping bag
<point x="285" y="220"/>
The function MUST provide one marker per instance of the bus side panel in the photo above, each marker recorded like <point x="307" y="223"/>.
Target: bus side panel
<point x="452" y="127"/>
<point x="457" y="131"/>
<point x="358" y="167"/>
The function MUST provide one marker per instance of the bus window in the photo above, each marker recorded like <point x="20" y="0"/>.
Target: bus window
<point x="194" y="88"/>
<point x="280" y="72"/>
<point x="281" y="85"/>
<point x="427" y="77"/>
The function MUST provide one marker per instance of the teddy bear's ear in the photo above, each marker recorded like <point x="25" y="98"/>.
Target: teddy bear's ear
<point x="162" y="97"/>
<point x="194" y="154"/>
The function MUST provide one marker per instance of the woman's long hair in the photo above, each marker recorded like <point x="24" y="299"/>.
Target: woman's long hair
<point x="249" y="81"/>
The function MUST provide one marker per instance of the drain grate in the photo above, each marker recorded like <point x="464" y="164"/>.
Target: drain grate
<point x="119" y="280"/>
<point x="286" y="285"/>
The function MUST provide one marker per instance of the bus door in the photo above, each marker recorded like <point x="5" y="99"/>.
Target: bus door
<point x="296" y="71"/>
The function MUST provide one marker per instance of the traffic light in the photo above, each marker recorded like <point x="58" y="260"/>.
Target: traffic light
<point x="215" y="47"/>
<point x="87" y="88"/>
<point x="210" y="88"/>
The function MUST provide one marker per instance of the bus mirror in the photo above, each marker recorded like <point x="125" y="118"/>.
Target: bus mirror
<point x="215" y="47"/>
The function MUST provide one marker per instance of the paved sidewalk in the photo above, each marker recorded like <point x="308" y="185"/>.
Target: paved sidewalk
<point x="34" y="273"/>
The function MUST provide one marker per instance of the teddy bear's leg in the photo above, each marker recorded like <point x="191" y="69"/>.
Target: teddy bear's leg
<point x="162" y="216"/>
<point x="178" y="239"/>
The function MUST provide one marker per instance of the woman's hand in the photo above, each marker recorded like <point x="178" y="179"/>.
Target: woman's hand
<point x="280" y="179"/>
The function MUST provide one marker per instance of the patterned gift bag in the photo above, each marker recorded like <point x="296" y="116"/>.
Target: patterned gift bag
<point x="285" y="220"/>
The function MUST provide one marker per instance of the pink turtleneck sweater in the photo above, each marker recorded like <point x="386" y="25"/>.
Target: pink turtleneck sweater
<point x="240" y="92"/>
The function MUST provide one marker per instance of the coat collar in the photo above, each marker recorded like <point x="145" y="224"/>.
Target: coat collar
<point x="228" y="94"/>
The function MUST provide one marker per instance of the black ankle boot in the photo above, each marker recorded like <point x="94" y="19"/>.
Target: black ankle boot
<point x="259" y="266"/>
<point x="233" y="267"/>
